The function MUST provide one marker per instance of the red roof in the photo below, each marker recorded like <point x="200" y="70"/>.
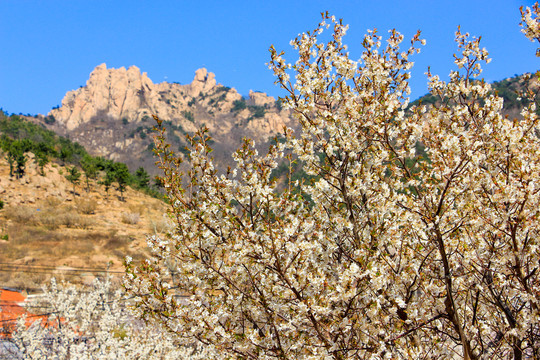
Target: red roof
<point x="11" y="295"/>
<point x="11" y="310"/>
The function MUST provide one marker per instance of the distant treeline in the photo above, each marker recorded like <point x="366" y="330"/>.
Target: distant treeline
<point x="19" y="137"/>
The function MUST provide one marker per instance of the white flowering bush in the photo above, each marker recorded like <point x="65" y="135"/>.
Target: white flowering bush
<point x="415" y="236"/>
<point x="92" y="323"/>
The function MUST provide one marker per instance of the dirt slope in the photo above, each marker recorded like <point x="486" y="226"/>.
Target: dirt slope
<point x="46" y="229"/>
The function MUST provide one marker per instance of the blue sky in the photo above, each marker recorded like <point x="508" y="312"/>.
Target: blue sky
<point x="50" y="47"/>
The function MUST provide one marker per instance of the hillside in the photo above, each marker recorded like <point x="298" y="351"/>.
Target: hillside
<point x="43" y="223"/>
<point x="111" y="115"/>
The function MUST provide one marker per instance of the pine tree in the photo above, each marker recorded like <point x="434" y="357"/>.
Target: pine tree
<point x="89" y="167"/>
<point x="107" y="180"/>
<point x="122" y="177"/>
<point x="41" y="159"/>
<point x="74" y="176"/>
<point x="142" y="178"/>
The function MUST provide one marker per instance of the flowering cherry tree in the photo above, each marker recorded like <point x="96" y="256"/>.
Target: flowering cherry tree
<point x="92" y="323"/>
<point x="415" y="236"/>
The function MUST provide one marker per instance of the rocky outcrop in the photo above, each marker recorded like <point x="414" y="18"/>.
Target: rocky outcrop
<point x="33" y="185"/>
<point x="111" y="115"/>
<point x="129" y="95"/>
<point x="203" y="82"/>
<point x="116" y="93"/>
<point x="260" y="98"/>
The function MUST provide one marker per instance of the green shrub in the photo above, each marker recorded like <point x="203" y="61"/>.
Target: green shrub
<point x="222" y="89"/>
<point x="258" y="111"/>
<point x="188" y="115"/>
<point x="49" y="120"/>
<point x="239" y="105"/>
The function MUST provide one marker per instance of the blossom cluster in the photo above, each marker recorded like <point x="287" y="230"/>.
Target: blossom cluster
<point x="93" y="322"/>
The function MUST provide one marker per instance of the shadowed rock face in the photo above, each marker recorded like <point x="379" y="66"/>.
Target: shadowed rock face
<point x="110" y="114"/>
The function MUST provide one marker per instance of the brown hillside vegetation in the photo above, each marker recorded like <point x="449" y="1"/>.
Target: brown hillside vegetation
<point x="46" y="229"/>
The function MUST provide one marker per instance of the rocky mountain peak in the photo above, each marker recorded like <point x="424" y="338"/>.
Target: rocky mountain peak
<point x="114" y="92"/>
<point x="111" y="115"/>
<point x="203" y="81"/>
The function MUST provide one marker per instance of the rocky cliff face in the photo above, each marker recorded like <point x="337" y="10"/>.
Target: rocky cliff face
<point x="111" y="115"/>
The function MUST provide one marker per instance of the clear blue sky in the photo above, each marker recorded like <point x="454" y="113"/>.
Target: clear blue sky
<point x="50" y="47"/>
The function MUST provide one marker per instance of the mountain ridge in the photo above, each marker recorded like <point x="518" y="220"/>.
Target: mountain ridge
<point x="111" y="115"/>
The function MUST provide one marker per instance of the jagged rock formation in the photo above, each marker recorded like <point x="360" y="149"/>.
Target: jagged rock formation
<point x="260" y="99"/>
<point x="111" y="115"/>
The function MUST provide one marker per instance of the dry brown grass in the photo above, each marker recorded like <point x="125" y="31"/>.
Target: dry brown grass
<point x="80" y="244"/>
<point x="27" y="239"/>
<point x="24" y="280"/>
<point x="52" y="201"/>
<point x="158" y="205"/>
<point x="161" y="226"/>
<point x="54" y="218"/>
<point x="44" y="243"/>
<point x="21" y="214"/>
<point x="70" y="219"/>
<point x="86" y="231"/>
<point x="28" y="234"/>
<point x="86" y="206"/>
<point x="85" y="223"/>
<point x="52" y="215"/>
<point x="137" y="208"/>
<point x="49" y="220"/>
<point x="8" y="252"/>
<point x="130" y="218"/>
<point x="116" y="242"/>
